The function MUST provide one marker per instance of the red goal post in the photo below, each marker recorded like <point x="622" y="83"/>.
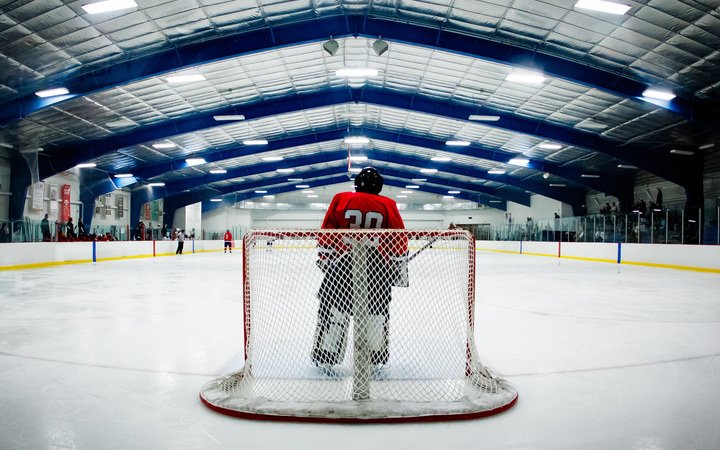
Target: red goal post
<point x="346" y="340"/>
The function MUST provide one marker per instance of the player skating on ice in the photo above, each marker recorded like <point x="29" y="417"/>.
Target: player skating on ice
<point x="228" y="241"/>
<point x="364" y="208"/>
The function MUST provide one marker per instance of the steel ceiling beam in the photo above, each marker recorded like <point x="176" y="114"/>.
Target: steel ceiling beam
<point x="318" y="30"/>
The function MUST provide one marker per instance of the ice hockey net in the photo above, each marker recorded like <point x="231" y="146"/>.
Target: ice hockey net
<point x="324" y="342"/>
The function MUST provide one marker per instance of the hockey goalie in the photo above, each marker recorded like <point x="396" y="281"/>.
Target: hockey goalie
<point x="384" y="262"/>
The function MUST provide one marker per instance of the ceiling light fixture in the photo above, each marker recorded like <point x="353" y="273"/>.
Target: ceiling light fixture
<point x="681" y="152"/>
<point x="525" y="77"/>
<point x="287" y="170"/>
<point x="481" y="118"/>
<point x="52" y="92"/>
<point x="164" y="145"/>
<point x="418" y="180"/>
<point x="706" y="146"/>
<point x="123" y="175"/>
<point x="546" y="175"/>
<point x="355" y="169"/>
<point x="380" y="46"/>
<point x="358" y="158"/>
<point x="356" y="140"/>
<point x="261" y="192"/>
<point x="108" y="6"/>
<point x="412" y="186"/>
<point x="294" y="180"/>
<point x="195" y="161"/>
<point x="308" y="192"/>
<point x="589" y="175"/>
<point x="255" y="142"/>
<point x="158" y="184"/>
<point x="556" y="185"/>
<point x="190" y="78"/>
<point x="519" y="162"/>
<point x="454" y="143"/>
<point x="626" y="166"/>
<point x="453" y="192"/>
<point x="658" y="94"/>
<point x="229" y="117"/>
<point x="406" y="192"/>
<point x="496" y="171"/>
<point x="302" y="186"/>
<point x="356" y="72"/>
<point x="428" y="171"/>
<point x="331" y="46"/>
<point x="448" y="196"/>
<point x="550" y="146"/>
<point x="218" y="171"/>
<point x="495" y="201"/>
<point x="603" y="6"/>
<point x="401" y="196"/>
<point x="86" y="165"/>
<point x="215" y="199"/>
<point x="440" y="159"/>
<point x="120" y="123"/>
<point x="272" y="158"/>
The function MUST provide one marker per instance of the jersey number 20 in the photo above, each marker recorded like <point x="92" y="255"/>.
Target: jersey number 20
<point x="370" y="220"/>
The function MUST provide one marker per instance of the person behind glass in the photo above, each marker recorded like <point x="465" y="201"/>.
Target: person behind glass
<point x="4" y="233"/>
<point x="45" y="228"/>
<point x="81" y="228"/>
<point x="70" y="229"/>
<point x="228" y="241"/>
<point x="181" y="242"/>
<point x="365" y="208"/>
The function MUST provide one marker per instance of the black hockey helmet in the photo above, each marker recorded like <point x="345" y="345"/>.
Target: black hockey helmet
<point x="369" y="180"/>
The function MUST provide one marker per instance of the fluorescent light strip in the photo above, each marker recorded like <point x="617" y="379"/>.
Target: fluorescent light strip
<point x="412" y="186"/>
<point x="428" y="171"/>
<point x="603" y="6"/>
<point x="358" y="158"/>
<point x="495" y="201"/>
<point x="549" y="146"/>
<point x="418" y="180"/>
<point x="86" y="165"/>
<point x="525" y="77"/>
<point x="453" y="192"/>
<point x="356" y="72"/>
<point x="52" y="92"/>
<point x="302" y="186"/>
<point x="440" y="159"/>
<point x="294" y="180"/>
<point x="215" y="199"/>
<point x="195" y="161"/>
<point x="224" y="118"/>
<point x="272" y="158"/>
<point x="448" y="196"/>
<point x="163" y="145"/>
<point x="190" y="78"/>
<point x="288" y="170"/>
<point x="218" y="171"/>
<point x="457" y="143"/>
<point x="261" y="192"/>
<point x="308" y="192"/>
<point x="355" y="170"/>
<point x="589" y="175"/>
<point x="357" y="140"/>
<point x="406" y="192"/>
<point x="496" y="171"/>
<point x="481" y="118"/>
<point x="123" y="175"/>
<point x="156" y="184"/>
<point x="681" y="152"/>
<point x="401" y="196"/>
<point x="519" y="162"/>
<point x="658" y="94"/>
<point x="706" y="146"/>
<point x="626" y="166"/>
<point x="556" y="185"/>
<point x="255" y="142"/>
<point x="108" y="6"/>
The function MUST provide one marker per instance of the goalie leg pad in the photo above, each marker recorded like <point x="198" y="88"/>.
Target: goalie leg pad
<point x="330" y="337"/>
<point x="378" y="339"/>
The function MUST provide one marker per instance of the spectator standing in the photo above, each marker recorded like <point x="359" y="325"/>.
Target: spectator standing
<point x="181" y="242"/>
<point x="70" y="227"/>
<point x="4" y="233"/>
<point x="45" y="228"/>
<point x="228" y="241"/>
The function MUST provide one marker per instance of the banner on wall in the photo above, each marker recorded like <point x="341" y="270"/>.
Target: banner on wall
<point x="53" y="194"/>
<point x="155" y="208"/>
<point x="146" y="211"/>
<point x="38" y="197"/>
<point x="65" y="203"/>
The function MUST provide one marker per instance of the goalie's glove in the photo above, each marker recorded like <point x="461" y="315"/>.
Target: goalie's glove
<point x="327" y="257"/>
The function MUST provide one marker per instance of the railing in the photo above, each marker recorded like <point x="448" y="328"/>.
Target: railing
<point x="651" y="227"/>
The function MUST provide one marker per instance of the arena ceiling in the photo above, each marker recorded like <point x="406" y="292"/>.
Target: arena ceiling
<point x="558" y="89"/>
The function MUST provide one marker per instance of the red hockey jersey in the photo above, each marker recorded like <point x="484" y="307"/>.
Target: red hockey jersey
<point x="228" y="236"/>
<point x="363" y="210"/>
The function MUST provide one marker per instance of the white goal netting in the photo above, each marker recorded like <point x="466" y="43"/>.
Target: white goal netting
<point x="359" y="325"/>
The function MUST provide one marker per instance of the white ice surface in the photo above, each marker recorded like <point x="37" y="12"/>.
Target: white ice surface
<point x="113" y="355"/>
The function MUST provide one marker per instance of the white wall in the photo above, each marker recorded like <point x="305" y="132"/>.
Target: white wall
<point x="69" y="177"/>
<point x="103" y="221"/>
